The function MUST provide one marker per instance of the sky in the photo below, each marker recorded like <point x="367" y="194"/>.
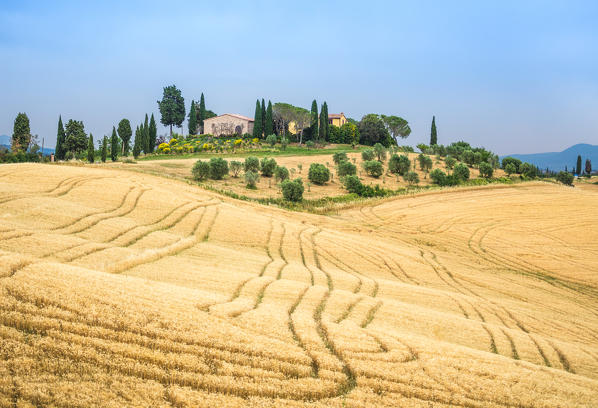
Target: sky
<point x="511" y="76"/>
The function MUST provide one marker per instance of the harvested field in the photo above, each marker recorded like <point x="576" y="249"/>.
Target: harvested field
<point x="120" y="288"/>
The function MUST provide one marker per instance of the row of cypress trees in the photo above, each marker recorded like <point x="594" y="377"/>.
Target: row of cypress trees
<point x="319" y="127"/>
<point x="263" y="122"/>
<point x="197" y="115"/>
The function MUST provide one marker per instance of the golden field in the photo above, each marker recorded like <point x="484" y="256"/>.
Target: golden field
<point x="121" y="289"/>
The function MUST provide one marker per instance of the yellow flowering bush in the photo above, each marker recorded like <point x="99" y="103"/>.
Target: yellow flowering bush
<point x="173" y="142"/>
<point x="166" y="149"/>
<point x="163" y="146"/>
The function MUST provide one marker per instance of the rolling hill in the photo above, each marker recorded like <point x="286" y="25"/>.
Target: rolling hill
<point x="557" y="161"/>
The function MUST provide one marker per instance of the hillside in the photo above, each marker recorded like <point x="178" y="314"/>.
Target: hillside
<point x="556" y="161"/>
<point x="125" y="289"/>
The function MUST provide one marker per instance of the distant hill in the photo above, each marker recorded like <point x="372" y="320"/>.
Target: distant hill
<point x="5" y="142"/>
<point x="557" y="161"/>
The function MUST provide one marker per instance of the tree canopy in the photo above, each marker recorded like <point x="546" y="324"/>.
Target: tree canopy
<point x="60" y="150"/>
<point x="433" y="133"/>
<point x="372" y="131"/>
<point x="21" y="135"/>
<point x="314" y="120"/>
<point x="192" y="119"/>
<point x="153" y="134"/>
<point x="76" y="139"/>
<point x="257" y="120"/>
<point x="396" y="126"/>
<point x="125" y="133"/>
<point x="172" y="107"/>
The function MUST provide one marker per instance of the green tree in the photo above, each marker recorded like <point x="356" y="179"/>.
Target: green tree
<point x="323" y="131"/>
<point x="578" y="166"/>
<point x="21" y="135"/>
<point x="172" y="107"/>
<point x="292" y="190"/>
<point x="125" y="133"/>
<point x="346" y="168"/>
<point x="368" y="154"/>
<point x="396" y="126"/>
<point x="349" y="134"/>
<point x="192" y="119"/>
<point x="263" y="112"/>
<point x="318" y="173"/>
<point x="267" y="167"/>
<point x="235" y="167"/>
<point x="201" y="170"/>
<point x="339" y="157"/>
<point x="281" y="173"/>
<point x="486" y="170"/>
<point x="252" y="163"/>
<point x="113" y="145"/>
<point x="314" y="120"/>
<point x="146" y="136"/>
<point x="138" y="142"/>
<point x="461" y="172"/>
<point x="399" y="164"/>
<point x="271" y="140"/>
<point x="75" y="140"/>
<point x="450" y="162"/>
<point x="60" y="151"/>
<point x="90" y="149"/>
<point x="412" y="177"/>
<point x="565" y="177"/>
<point x="511" y="160"/>
<point x="588" y="167"/>
<point x="153" y="134"/>
<point x="372" y="131"/>
<point x="510" y="169"/>
<point x="373" y="168"/>
<point x="202" y="113"/>
<point x="251" y="178"/>
<point x="104" y="149"/>
<point x="218" y="168"/>
<point x="433" y="133"/>
<point x="269" y="125"/>
<point x="257" y="121"/>
<point x="380" y="151"/>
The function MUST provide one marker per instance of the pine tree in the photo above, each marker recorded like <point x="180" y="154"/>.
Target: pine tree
<point x="202" y="113"/>
<point x="114" y="145"/>
<point x="257" y="122"/>
<point x="90" y="149"/>
<point x="60" y="136"/>
<point x="578" y="167"/>
<point x="314" y="120"/>
<point x="269" y="126"/>
<point x="192" y="119"/>
<point x="153" y="134"/>
<point x="138" y="142"/>
<point x="263" y="112"/>
<point x="104" y="149"/>
<point x="324" y="122"/>
<point x="146" y="136"/>
<point x="433" y="133"/>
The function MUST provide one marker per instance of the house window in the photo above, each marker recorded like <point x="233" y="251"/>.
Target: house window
<point x="330" y="121"/>
<point x="239" y="129"/>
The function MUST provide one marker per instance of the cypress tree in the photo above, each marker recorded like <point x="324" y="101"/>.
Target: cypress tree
<point x="114" y="145"/>
<point x="314" y="120"/>
<point x="263" y="112"/>
<point x="153" y="134"/>
<point x="269" y="126"/>
<point x="202" y="113"/>
<point x="324" y="122"/>
<point x="60" y="136"/>
<point x="90" y="149"/>
<point x="192" y="119"/>
<point x="138" y="141"/>
<point x="433" y="134"/>
<point x="578" y="167"/>
<point x="104" y="149"/>
<point x="146" y="136"/>
<point x="588" y="167"/>
<point x="257" y="121"/>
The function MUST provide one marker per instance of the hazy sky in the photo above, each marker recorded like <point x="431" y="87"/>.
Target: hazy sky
<point x="515" y="77"/>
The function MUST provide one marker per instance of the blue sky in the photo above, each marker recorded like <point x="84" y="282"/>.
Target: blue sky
<point x="512" y="76"/>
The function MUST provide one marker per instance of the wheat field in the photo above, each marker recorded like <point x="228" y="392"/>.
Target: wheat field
<point x="126" y="289"/>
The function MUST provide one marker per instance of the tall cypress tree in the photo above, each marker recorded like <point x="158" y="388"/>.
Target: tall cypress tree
<point x="193" y="119"/>
<point x="202" y="113"/>
<point x="314" y="120"/>
<point x="578" y="167"/>
<point x="60" y="136"/>
<point x="114" y="145"/>
<point x="138" y="141"/>
<point x="324" y="122"/>
<point x="104" y="149"/>
<point x="269" y="126"/>
<point x="90" y="149"/>
<point x="263" y="111"/>
<point x="146" y="136"/>
<point x="433" y="134"/>
<point x="153" y="134"/>
<point x="257" y="121"/>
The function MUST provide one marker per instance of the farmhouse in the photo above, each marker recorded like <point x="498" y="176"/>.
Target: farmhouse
<point x="337" y="119"/>
<point x="228" y="124"/>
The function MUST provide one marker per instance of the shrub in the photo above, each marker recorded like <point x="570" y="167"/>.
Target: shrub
<point x="411" y="177"/>
<point x="438" y="176"/>
<point x="218" y="168"/>
<point x="339" y="157"/>
<point x="346" y="168"/>
<point x="368" y="154"/>
<point x="235" y="167"/>
<point x="318" y="173"/>
<point x="425" y="162"/>
<point x="511" y="160"/>
<point x="510" y="168"/>
<point x="310" y="144"/>
<point x="380" y="151"/>
<point x="284" y="142"/>
<point x="528" y="170"/>
<point x="461" y="172"/>
<point x="252" y="163"/>
<point x="423" y="147"/>
<point x="268" y="166"/>
<point x="399" y="164"/>
<point x="281" y="173"/>
<point x="201" y="170"/>
<point x="373" y="168"/>
<point x="292" y="190"/>
<point x="450" y="162"/>
<point x="486" y="170"/>
<point x="468" y="157"/>
<point x="251" y="178"/>
<point x="565" y="177"/>
<point x="271" y="140"/>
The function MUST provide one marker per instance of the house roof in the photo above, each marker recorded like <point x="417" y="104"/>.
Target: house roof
<point x="335" y="115"/>
<point x="234" y="115"/>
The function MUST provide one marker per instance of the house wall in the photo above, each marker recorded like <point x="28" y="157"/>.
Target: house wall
<point x="214" y="125"/>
